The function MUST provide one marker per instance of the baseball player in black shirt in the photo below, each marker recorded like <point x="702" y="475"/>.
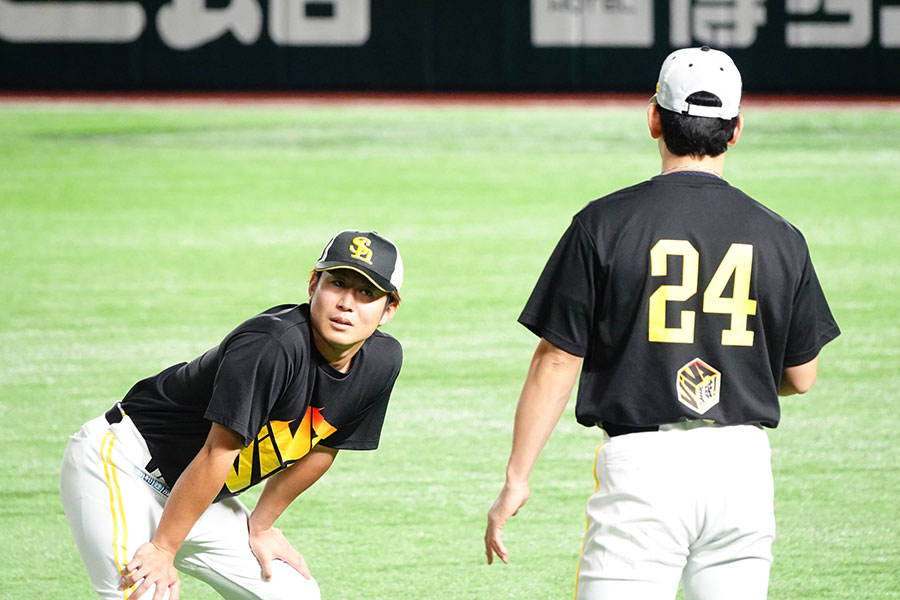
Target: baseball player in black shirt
<point x="150" y="487"/>
<point x="688" y="308"/>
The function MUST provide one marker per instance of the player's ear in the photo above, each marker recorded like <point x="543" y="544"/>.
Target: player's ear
<point x="313" y="281"/>
<point x="737" y="131"/>
<point x="389" y="311"/>
<point x="653" y="121"/>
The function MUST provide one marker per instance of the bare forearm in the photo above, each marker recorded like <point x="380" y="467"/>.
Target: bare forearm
<point x="545" y="393"/>
<point x="283" y="488"/>
<point x="548" y="385"/>
<point x="192" y="494"/>
<point x="197" y="487"/>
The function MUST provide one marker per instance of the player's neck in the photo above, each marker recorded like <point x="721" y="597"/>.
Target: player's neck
<point x="339" y="357"/>
<point x="706" y="164"/>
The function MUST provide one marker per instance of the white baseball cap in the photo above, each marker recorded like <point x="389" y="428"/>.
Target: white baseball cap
<point x="691" y="70"/>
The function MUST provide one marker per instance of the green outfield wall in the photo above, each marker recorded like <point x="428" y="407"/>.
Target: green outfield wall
<point x="841" y="46"/>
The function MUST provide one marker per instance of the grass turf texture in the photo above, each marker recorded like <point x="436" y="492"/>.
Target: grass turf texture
<point x="132" y="238"/>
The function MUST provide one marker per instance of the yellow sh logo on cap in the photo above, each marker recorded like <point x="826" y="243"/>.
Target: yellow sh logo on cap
<point x="360" y="250"/>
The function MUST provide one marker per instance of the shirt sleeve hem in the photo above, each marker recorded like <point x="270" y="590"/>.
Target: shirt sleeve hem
<point x="804" y="357"/>
<point x="233" y="425"/>
<point x="552" y="337"/>
<point x="364" y="445"/>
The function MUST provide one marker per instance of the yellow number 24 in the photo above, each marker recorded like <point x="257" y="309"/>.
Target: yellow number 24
<point x="737" y="262"/>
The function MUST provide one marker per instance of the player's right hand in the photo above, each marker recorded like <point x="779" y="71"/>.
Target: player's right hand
<point x="507" y="504"/>
<point x="269" y="544"/>
<point x="151" y="565"/>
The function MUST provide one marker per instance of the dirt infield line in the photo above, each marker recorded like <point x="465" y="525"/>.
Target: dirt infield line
<point x="587" y="99"/>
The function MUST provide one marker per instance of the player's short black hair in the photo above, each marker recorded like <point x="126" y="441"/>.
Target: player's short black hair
<point x="687" y="135"/>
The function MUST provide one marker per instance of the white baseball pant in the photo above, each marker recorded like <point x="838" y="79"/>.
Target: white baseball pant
<point x="689" y="503"/>
<point x="113" y="505"/>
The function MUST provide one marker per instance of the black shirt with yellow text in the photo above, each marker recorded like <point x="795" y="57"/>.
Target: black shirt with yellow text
<point x="268" y="383"/>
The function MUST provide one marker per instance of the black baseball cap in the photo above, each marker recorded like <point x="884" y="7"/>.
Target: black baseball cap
<point x="366" y="252"/>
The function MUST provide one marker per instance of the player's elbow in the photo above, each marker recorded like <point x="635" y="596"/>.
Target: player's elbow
<point x="799" y="379"/>
<point x="798" y="387"/>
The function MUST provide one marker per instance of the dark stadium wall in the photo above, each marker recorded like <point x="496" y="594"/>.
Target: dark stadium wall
<point x="450" y="45"/>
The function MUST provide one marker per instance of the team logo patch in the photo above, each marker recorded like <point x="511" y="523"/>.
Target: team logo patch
<point x="697" y="386"/>
<point x="360" y="250"/>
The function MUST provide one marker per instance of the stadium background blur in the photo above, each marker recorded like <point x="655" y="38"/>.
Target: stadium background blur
<point x="172" y="167"/>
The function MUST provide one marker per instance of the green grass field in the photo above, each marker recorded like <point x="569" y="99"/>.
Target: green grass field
<point x="135" y="237"/>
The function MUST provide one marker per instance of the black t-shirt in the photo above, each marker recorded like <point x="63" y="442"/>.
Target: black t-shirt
<point x="267" y="382"/>
<point x="686" y="298"/>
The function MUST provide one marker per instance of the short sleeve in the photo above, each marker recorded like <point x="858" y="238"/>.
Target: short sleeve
<point x="251" y="376"/>
<point x="812" y="324"/>
<point x="561" y="306"/>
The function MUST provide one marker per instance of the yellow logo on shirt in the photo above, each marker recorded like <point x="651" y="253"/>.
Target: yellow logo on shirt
<point x="278" y="445"/>
<point x="360" y="250"/>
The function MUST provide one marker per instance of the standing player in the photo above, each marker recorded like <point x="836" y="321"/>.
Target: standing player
<point x="150" y="487"/>
<point x="689" y="308"/>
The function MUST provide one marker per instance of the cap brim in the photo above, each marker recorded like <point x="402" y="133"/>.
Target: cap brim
<point x="328" y="266"/>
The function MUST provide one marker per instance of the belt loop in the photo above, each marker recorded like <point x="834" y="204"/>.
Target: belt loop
<point x="153" y="469"/>
<point x="114" y="415"/>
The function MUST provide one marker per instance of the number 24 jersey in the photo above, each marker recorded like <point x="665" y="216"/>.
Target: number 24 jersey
<point x="686" y="298"/>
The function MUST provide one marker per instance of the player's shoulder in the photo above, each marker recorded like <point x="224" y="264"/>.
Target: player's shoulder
<point x="751" y="210"/>
<point x="625" y="194"/>
<point x="278" y="318"/>
<point x="384" y="352"/>
<point x="384" y="342"/>
<point x="610" y="212"/>
<point x="624" y="200"/>
<point x="285" y="324"/>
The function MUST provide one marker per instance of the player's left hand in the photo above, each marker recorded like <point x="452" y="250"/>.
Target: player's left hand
<point x="269" y="544"/>
<point x="507" y="504"/>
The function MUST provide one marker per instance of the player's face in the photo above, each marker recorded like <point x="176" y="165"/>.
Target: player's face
<point x="345" y="309"/>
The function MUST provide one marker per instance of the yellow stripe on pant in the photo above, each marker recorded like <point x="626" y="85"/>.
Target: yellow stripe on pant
<point x="115" y="501"/>
<point x="587" y="521"/>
